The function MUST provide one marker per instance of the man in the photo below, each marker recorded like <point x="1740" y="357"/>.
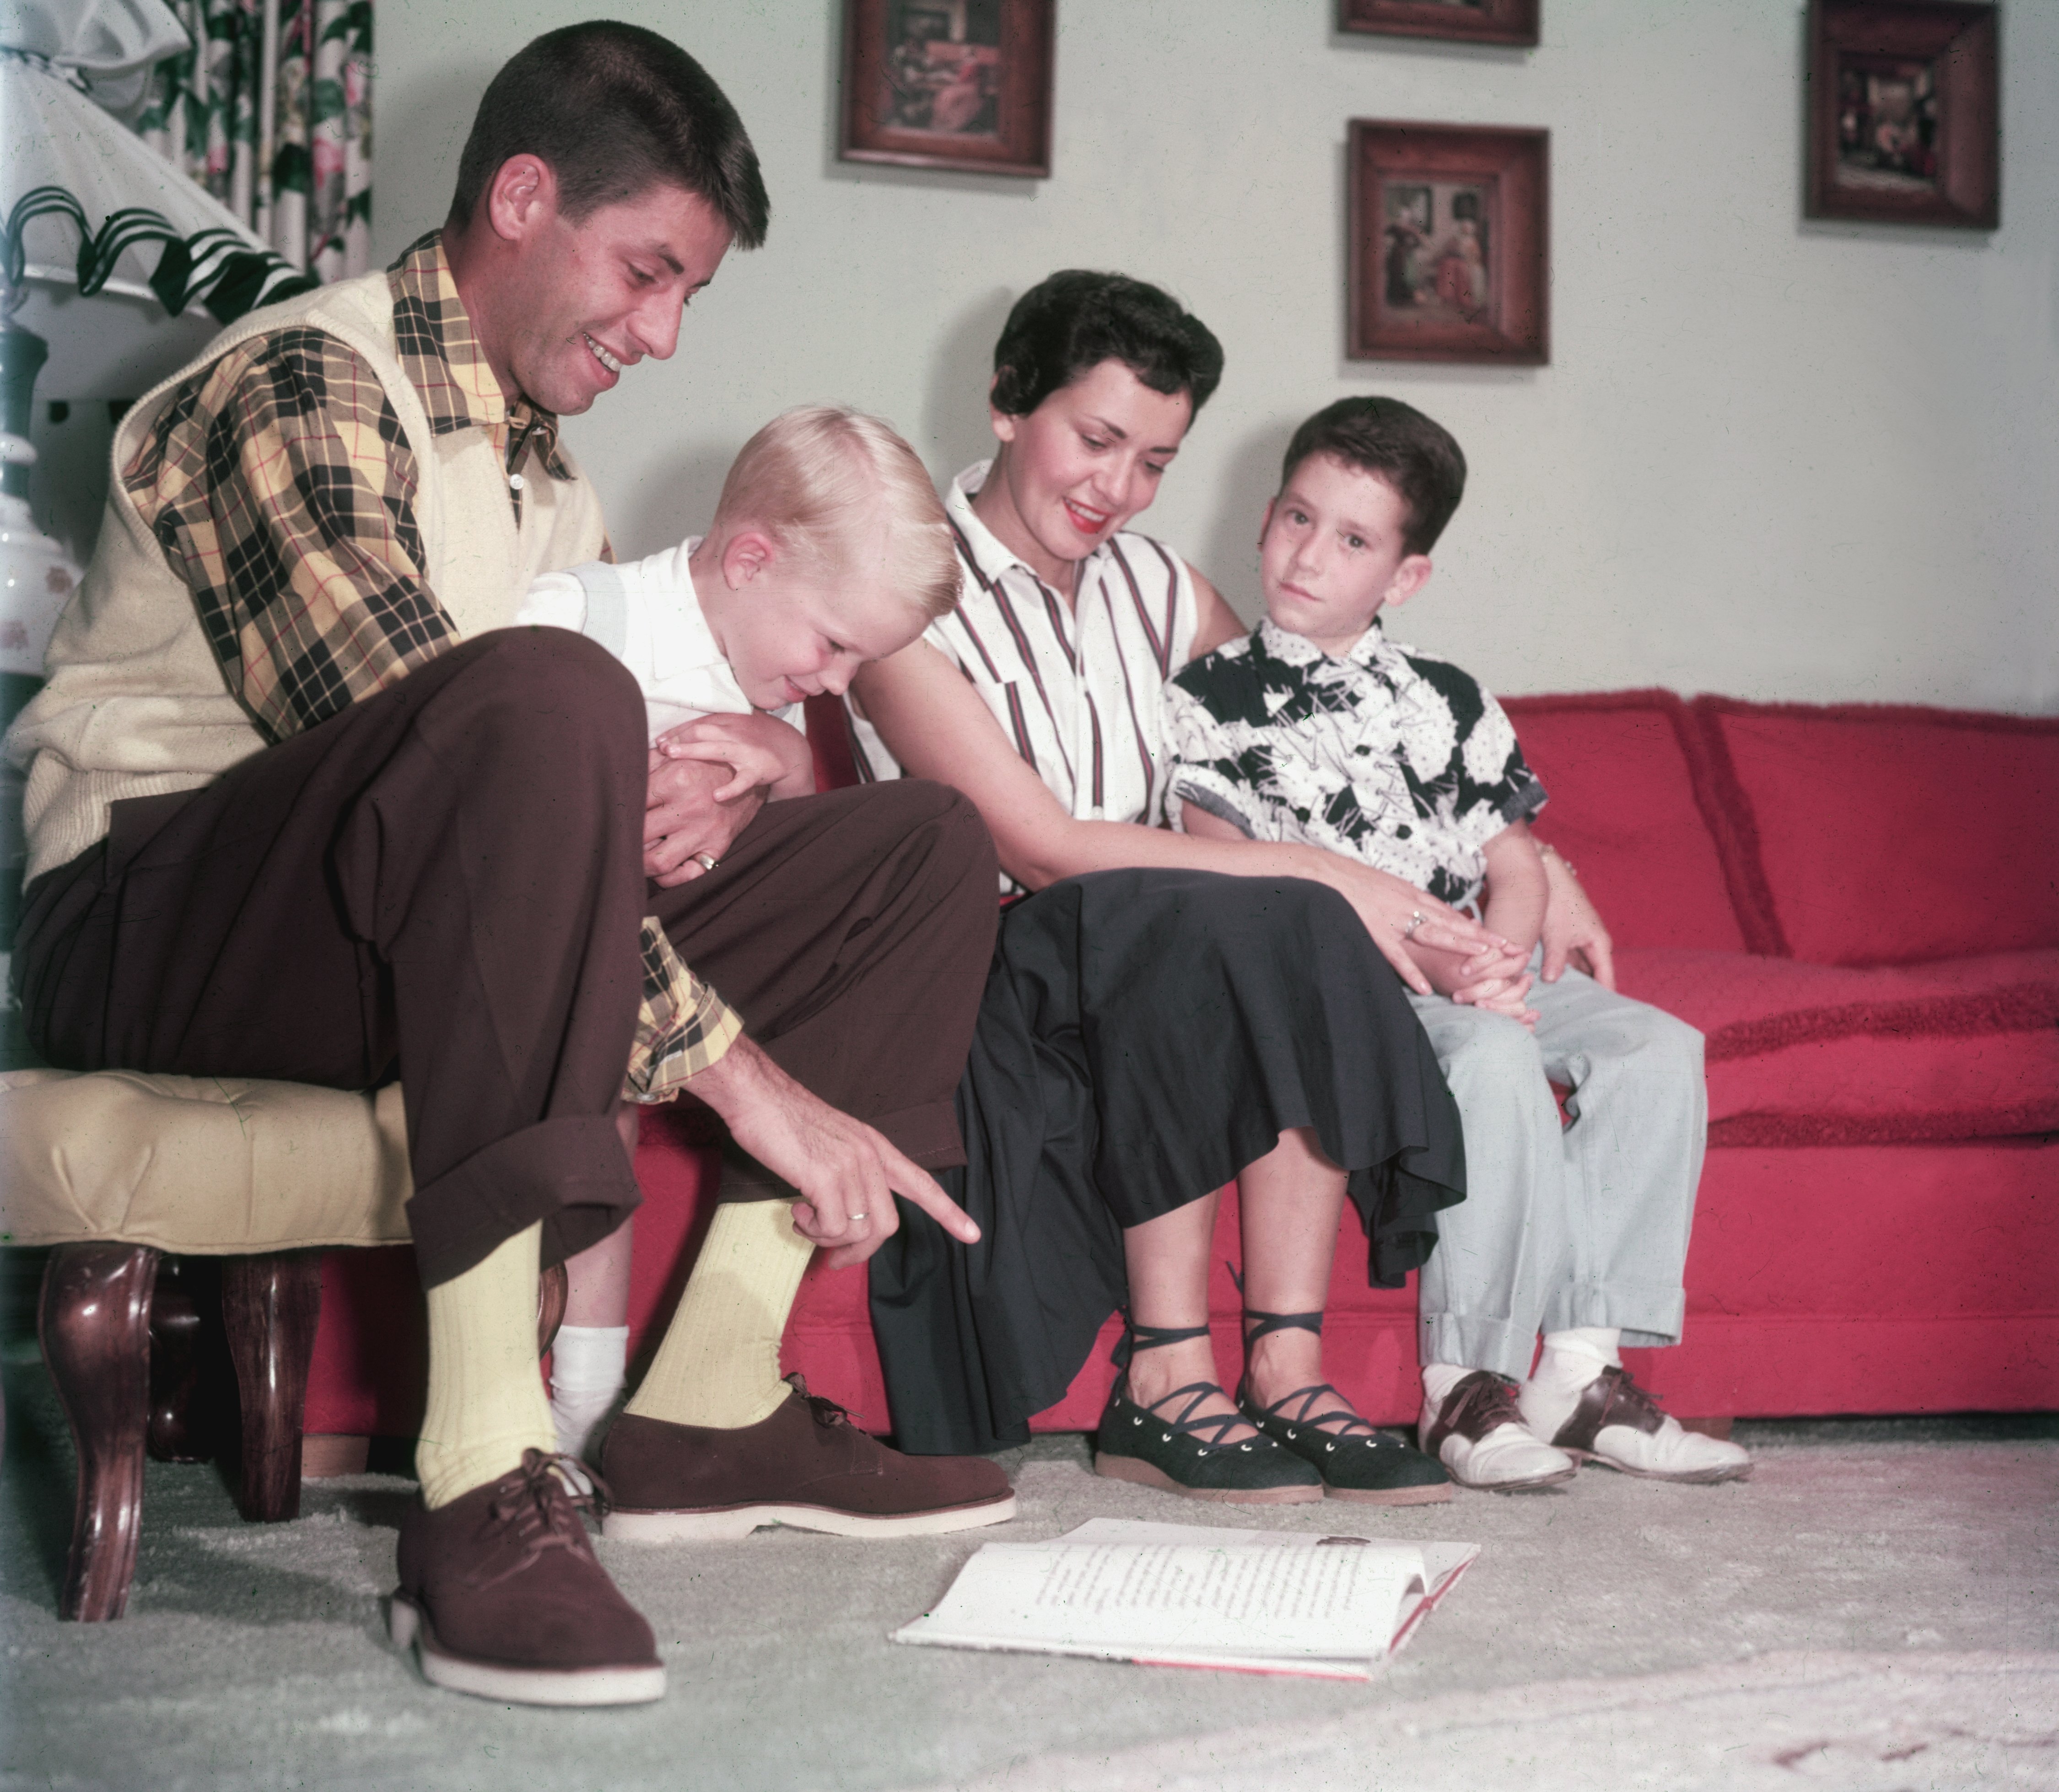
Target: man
<point x="296" y="810"/>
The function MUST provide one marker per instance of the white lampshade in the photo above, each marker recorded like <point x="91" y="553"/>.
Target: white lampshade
<point x="68" y="167"/>
<point x="121" y="340"/>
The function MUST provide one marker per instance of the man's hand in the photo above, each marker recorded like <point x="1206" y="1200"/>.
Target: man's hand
<point x="1573" y="930"/>
<point x="681" y="818"/>
<point x="847" y="1173"/>
<point x="759" y="750"/>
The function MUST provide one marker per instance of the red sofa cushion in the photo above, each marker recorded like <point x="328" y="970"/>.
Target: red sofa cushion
<point x="1820" y="1054"/>
<point x="1626" y="809"/>
<point x="828" y="731"/>
<point x="1873" y="835"/>
<point x="1869" y="1278"/>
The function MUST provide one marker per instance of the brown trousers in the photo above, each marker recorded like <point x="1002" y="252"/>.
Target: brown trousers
<point x="445" y="882"/>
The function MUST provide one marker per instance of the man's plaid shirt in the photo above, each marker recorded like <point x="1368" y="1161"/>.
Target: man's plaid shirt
<point x="282" y="490"/>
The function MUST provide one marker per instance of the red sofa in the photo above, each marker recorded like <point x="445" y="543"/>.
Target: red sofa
<point x="1858" y="906"/>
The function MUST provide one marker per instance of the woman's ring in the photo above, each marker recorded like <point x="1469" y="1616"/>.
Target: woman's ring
<point x="707" y="861"/>
<point x="854" y="1216"/>
<point x="1415" y="920"/>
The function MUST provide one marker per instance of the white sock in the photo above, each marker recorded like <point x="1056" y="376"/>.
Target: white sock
<point x="1440" y="1379"/>
<point x="589" y="1367"/>
<point x="1572" y="1359"/>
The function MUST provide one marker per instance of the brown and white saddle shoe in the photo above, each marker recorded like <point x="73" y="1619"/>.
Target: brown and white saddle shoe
<point x="1477" y="1432"/>
<point x="1617" y="1425"/>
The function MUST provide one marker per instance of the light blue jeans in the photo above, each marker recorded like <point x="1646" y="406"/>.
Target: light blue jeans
<point x="1583" y="1224"/>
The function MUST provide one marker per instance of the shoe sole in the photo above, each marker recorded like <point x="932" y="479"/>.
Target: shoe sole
<point x="726" y="1524"/>
<point x="1149" y="1475"/>
<point x="1695" y="1478"/>
<point x="1434" y="1493"/>
<point x="523" y="1686"/>
<point x="1534" y="1483"/>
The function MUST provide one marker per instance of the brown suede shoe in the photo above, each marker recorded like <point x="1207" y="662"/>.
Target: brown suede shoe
<point x="807" y="1466"/>
<point x="500" y="1596"/>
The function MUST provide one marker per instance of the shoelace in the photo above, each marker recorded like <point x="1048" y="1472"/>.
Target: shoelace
<point x="1353" y="1425"/>
<point x="1489" y="1402"/>
<point x="1613" y="1398"/>
<point x="541" y="1510"/>
<point x="1259" y="1324"/>
<point x="1136" y="1336"/>
<point x="825" y="1412"/>
<point x="1184" y="1427"/>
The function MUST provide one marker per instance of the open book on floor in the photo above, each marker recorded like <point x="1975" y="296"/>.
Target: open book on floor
<point x="1335" y="1605"/>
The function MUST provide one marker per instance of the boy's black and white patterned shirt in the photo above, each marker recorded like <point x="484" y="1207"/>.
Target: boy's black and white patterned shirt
<point x="1389" y="755"/>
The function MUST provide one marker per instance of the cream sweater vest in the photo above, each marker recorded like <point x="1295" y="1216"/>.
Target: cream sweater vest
<point x="136" y="704"/>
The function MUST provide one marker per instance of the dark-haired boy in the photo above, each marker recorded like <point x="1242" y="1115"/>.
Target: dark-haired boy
<point x="300" y="807"/>
<point x="1315" y="728"/>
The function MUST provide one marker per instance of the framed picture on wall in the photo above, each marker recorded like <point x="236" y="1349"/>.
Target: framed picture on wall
<point x="1460" y="20"/>
<point x="1450" y="256"/>
<point x="1905" y="121"/>
<point x="962" y="84"/>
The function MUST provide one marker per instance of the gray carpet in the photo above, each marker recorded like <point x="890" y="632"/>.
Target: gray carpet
<point x="1877" y="1610"/>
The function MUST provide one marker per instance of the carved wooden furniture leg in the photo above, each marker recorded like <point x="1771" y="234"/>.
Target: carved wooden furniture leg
<point x="95" y="1325"/>
<point x="182" y="1429"/>
<point x="553" y="1292"/>
<point x="269" y="1309"/>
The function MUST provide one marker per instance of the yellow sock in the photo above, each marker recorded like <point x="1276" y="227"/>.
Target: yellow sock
<point x="486" y="1403"/>
<point x="720" y="1364"/>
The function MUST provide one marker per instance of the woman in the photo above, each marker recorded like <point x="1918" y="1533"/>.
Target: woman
<point x="1153" y="1027"/>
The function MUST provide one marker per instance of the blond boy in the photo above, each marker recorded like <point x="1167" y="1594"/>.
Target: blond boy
<point x="828" y="548"/>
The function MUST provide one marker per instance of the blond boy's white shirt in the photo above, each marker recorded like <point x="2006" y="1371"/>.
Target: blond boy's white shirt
<point x="648" y="615"/>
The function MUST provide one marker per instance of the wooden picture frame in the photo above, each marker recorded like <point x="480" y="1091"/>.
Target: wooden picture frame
<point x="1450" y="255"/>
<point x="1905" y="114"/>
<point x="1497" y="22"/>
<point x="953" y="84"/>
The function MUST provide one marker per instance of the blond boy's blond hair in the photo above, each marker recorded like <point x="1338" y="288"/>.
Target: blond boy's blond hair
<point x="843" y="493"/>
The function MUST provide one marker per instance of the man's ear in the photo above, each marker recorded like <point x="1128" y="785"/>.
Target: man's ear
<point x="744" y="555"/>
<point x="523" y="194"/>
<point x="1265" y="522"/>
<point x="1410" y="577"/>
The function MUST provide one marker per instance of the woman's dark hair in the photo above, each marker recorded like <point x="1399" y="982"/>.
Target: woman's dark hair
<point x="1395" y="442"/>
<point x="1074" y="321"/>
<point x="614" y="109"/>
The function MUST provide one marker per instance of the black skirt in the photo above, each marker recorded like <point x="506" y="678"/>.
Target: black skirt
<point x="1144" y="1036"/>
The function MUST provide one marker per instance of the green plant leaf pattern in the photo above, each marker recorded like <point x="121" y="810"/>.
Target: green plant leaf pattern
<point x="271" y="112"/>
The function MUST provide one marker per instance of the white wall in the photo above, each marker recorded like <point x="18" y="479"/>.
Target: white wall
<point x="1769" y="457"/>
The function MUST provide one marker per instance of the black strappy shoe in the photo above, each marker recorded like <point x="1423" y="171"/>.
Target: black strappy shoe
<point x="1355" y="1461"/>
<point x="1138" y="1444"/>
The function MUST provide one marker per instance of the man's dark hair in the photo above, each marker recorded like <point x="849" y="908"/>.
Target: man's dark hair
<point x="614" y="109"/>
<point x="1071" y="323"/>
<point x="1395" y="442"/>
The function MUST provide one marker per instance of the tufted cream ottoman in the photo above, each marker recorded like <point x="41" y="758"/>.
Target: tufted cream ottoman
<point x="122" y="1172"/>
<point x="201" y="1166"/>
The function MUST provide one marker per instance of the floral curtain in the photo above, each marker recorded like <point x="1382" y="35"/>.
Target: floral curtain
<point x="271" y="111"/>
